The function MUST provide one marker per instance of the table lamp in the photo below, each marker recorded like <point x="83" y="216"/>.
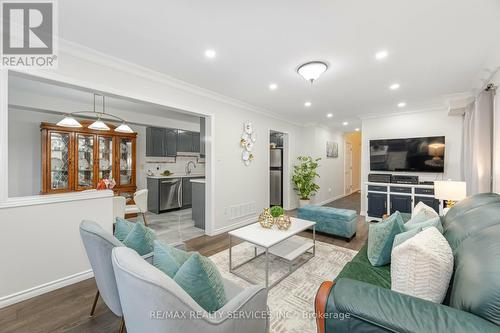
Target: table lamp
<point x="450" y="191"/>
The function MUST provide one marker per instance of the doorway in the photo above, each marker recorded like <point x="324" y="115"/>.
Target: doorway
<point x="352" y="162"/>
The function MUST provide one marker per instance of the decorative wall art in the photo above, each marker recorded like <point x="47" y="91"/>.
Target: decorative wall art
<point x="332" y="149"/>
<point x="247" y="140"/>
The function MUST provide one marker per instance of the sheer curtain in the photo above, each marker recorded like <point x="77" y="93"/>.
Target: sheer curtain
<point x="477" y="144"/>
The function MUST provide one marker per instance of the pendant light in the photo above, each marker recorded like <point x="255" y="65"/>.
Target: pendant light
<point x="69" y="121"/>
<point x="124" y="128"/>
<point x="311" y="71"/>
<point x="99" y="125"/>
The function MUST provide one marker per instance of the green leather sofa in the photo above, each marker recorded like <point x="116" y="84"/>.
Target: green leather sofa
<point x="360" y="299"/>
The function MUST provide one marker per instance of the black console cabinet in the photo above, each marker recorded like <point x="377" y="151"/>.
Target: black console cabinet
<point x="377" y="204"/>
<point x="401" y="203"/>
<point x="431" y="202"/>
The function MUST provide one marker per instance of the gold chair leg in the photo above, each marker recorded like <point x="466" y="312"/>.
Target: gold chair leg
<point x="144" y="218"/>
<point x="95" y="303"/>
<point x="122" y="326"/>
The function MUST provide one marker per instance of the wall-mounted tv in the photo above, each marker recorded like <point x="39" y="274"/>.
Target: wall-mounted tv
<point x="408" y="155"/>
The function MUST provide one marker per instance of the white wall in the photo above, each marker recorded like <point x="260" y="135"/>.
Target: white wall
<point x="40" y="246"/>
<point x="331" y="170"/>
<point x="434" y="122"/>
<point x="496" y="146"/>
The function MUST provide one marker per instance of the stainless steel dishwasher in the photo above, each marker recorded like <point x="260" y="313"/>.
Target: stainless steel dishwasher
<point x="170" y="194"/>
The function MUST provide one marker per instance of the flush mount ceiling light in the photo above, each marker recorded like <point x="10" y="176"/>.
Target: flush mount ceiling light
<point x="401" y="104"/>
<point x="210" y="53"/>
<point x="329" y="115"/>
<point x="381" y="54"/>
<point x="307" y="104"/>
<point x="394" y="86"/>
<point x="356" y="129"/>
<point x="273" y="86"/>
<point x="98" y="125"/>
<point x="311" y="71"/>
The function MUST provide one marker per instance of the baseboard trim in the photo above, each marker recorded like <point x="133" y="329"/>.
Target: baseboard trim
<point x="233" y="226"/>
<point x="327" y="201"/>
<point x="44" y="288"/>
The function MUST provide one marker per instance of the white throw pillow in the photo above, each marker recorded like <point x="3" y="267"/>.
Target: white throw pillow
<point x="429" y="211"/>
<point x="422" y="266"/>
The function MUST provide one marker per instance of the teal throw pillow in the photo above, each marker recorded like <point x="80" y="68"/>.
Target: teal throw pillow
<point x="201" y="279"/>
<point x="168" y="259"/>
<point x="404" y="236"/>
<point x="140" y="239"/>
<point x="122" y="228"/>
<point x="434" y="222"/>
<point x="419" y="217"/>
<point x="380" y="238"/>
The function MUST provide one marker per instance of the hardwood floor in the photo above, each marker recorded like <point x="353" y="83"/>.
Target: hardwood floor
<point x="67" y="309"/>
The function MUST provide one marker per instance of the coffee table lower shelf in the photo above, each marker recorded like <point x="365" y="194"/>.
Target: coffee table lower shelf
<point x="289" y="250"/>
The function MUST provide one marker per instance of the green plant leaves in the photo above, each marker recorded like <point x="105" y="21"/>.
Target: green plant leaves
<point x="304" y="175"/>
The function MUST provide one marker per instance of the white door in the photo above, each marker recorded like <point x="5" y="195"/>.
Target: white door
<point x="348" y="168"/>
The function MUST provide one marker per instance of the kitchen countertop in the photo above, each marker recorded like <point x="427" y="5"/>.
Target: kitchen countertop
<point x="178" y="176"/>
<point x="200" y="180"/>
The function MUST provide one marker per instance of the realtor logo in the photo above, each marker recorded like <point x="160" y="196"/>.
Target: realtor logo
<point x="28" y="34"/>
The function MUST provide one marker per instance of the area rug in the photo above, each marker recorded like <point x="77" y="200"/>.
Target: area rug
<point x="291" y="301"/>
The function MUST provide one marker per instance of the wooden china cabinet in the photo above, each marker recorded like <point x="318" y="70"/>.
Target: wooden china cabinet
<point x="75" y="159"/>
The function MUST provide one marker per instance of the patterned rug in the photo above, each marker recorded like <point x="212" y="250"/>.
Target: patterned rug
<point x="291" y="301"/>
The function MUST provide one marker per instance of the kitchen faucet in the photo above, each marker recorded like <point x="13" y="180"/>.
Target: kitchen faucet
<point x="188" y="169"/>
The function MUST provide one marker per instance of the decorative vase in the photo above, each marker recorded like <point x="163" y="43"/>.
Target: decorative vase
<point x="266" y="219"/>
<point x="303" y="202"/>
<point x="283" y="222"/>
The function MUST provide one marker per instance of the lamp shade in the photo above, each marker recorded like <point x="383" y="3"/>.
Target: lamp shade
<point x="69" y="122"/>
<point x="99" y="125"/>
<point x="124" y="128"/>
<point x="450" y="190"/>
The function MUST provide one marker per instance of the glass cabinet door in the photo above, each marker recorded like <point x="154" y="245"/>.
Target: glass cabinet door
<point x="85" y="162"/>
<point x="59" y="161"/>
<point x="125" y="160"/>
<point x="105" y="157"/>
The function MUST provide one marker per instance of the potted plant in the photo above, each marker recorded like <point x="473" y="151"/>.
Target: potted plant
<point x="303" y="178"/>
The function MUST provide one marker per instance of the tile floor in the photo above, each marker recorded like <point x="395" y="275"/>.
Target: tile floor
<point x="173" y="227"/>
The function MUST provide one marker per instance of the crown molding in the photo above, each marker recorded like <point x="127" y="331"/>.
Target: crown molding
<point x="102" y="59"/>
<point x="399" y="113"/>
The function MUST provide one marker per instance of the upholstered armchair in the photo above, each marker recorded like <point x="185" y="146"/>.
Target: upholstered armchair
<point x="152" y="302"/>
<point x="98" y="244"/>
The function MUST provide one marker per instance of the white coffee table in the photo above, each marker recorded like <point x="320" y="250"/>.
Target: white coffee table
<point x="276" y="242"/>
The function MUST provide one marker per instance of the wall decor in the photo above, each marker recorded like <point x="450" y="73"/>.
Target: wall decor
<point x="247" y="140"/>
<point x="332" y="149"/>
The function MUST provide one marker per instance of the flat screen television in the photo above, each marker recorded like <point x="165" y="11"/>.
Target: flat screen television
<point x="408" y="155"/>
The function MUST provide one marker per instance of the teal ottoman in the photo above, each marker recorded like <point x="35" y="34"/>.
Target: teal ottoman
<point x="333" y="221"/>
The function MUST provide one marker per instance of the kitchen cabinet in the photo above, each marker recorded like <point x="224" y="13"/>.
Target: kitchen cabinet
<point x="202" y="137"/>
<point x="75" y="159"/>
<point x="184" y="141"/>
<point x="187" y="192"/>
<point x="161" y="142"/>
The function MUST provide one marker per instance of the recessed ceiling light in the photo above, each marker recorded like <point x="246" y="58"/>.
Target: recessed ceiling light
<point x="394" y="86"/>
<point x="345" y="123"/>
<point x="307" y="104"/>
<point x="356" y="129"/>
<point x="401" y="104"/>
<point x="381" y="55"/>
<point x="329" y="115"/>
<point x="273" y="86"/>
<point x="210" y="53"/>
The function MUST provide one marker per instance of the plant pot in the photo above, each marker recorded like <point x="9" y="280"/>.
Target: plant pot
<point x="303" y="202"/>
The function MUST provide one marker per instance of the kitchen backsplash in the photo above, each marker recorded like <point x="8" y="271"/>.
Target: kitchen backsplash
<point x="177" y="167"/>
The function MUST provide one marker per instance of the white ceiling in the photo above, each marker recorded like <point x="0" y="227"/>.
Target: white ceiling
<point x="435" y="48"/>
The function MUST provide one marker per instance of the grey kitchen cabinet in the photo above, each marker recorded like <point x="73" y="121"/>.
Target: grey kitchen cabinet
<point x="198" y="212"/>
<point x="185" y="141"/>
<point x="187" y="192"/>
<point x="196" y="142"/>
<point x="171" y="142"/>
<point x="161" y="142"/>
<point x="202" y="137"/>
<point x="155" y="141"/>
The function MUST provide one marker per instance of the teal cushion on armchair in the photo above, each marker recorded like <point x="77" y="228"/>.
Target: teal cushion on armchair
<point x="201" y="279"/>
<point x="140" y="238"/>
<point x="381" y="237"/>
<point x="122" y="228"/>
<point x="168" y="259"/>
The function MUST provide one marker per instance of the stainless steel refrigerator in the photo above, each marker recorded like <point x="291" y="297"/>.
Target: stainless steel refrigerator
<point x="276" y="177"/>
